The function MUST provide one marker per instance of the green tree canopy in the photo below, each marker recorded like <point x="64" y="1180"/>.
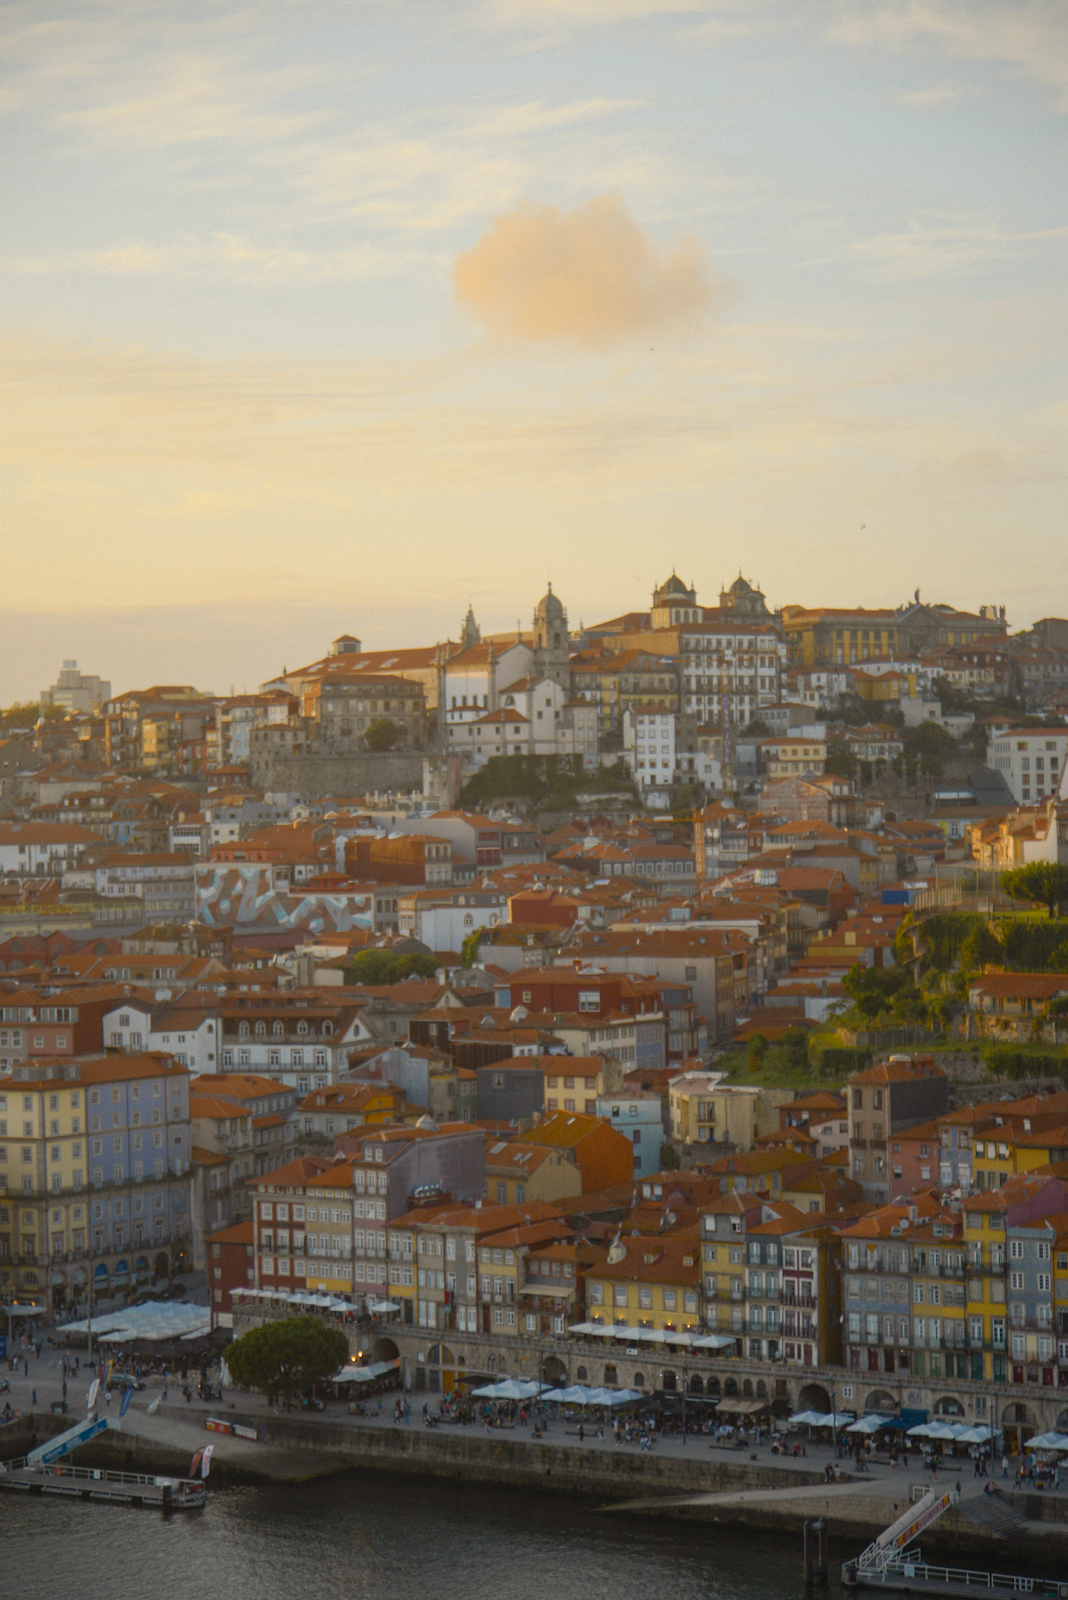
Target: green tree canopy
<point x="386" y="966"/>
<point x="1046" y="881"/>
<point x="285" y="1358"/>
<point x="840" y="759"/>
<point x="382" y="734"/>
<point x="981" y="949"/>
<point x="875" y="990"/>
<point x="757" y="729"/>
<point x="469" y="948"/>
<point x="669" y="1158"/>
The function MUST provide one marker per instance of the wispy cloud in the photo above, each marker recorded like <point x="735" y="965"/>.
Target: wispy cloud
<point x="1030" y="37"/>
<point x="938" y="247"/>
<point x="937" y="94"/>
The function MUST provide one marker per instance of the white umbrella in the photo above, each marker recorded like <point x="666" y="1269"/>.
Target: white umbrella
<point x="1048" y="1441"/>
<point x="812" y="1419"/>
<point x="870" y="1424"/>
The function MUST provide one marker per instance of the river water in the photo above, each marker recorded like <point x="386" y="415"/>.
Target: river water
<point x="377" y="1537"/>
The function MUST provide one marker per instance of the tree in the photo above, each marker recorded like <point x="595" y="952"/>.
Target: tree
<point x="981" y="949"/>
<point x="386" y="966"/>
<point x="469" y="948"/>
<point x="840" y="759"/>
<point x="669" y="1158"/>
<point x="382" y="734"/>
<point x="686" y="798"/>
<point x="874" y="990"/>
<point x="286" y="1358"/>
<point x="1046" y="881"/>
<point x="757" y="729"/>
<point x="932" y="744"/>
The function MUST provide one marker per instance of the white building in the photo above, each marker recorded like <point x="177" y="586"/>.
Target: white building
<point x="1031" y="760"/>
<point x="475" y="679"/>
<point x="48" y="848"/>
<point x="76" y="691"/>
<point x="649" y="746"/>
<point x="716" y="658"/>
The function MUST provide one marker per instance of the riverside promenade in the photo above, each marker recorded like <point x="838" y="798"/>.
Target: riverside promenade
<point x="695" y="1477"/>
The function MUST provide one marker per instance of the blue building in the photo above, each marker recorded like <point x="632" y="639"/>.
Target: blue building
<point x="638" y="1116"/>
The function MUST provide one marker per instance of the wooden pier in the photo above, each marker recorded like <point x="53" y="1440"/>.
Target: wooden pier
<point x="88" y="1483"/>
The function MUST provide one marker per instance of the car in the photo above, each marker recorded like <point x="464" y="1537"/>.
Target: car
<point x="123" y="1380"/>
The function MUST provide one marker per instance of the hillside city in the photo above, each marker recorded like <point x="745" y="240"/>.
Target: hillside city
<point x="671" y="1002"/>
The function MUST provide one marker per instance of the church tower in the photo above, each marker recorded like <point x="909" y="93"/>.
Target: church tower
<point x="470" y="633"/>
<point x="552" y="656"/>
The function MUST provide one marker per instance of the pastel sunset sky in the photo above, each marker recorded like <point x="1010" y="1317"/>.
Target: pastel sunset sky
<point x="335" y="314"/>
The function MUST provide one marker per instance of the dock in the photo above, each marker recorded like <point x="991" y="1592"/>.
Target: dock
<point x="88" y="1483"/>
<point x="912" y="1575"/>
<point x="893" y="1562"/>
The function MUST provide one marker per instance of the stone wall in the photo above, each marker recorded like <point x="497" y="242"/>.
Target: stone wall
<point x="313" y="776"/>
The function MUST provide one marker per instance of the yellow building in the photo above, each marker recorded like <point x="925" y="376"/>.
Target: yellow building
<point x="723" y="1226"/>
<point x="1020" y="1142"/>
<point x="984" y="1242"/>
<point x="705" y="1110"/>
<point x="94" y="1175"/>
<point x="939" y="1316"/>
<point x="516" y="1173"/>
<point x="648" y="1283"/>
<point x="573" y="1083"/>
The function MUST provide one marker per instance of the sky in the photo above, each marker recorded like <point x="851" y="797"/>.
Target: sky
<point x="335" y="315"/>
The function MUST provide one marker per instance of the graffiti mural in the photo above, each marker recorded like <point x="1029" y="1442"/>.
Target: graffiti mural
<point x="244" y="897"/>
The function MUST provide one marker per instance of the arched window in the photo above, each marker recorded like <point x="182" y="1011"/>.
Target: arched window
<point x="328" y="1028"/>
<point x="580" y="1372"/>
<point x="302" y="1027"/>
<point x="469" y="921"/>
<point x="556" y="641"/>
<point x="639" y="1380"/>
<point x="261" y="1028"/>
<point x="278" y="1030"/>
<point x="242" y="1030"/>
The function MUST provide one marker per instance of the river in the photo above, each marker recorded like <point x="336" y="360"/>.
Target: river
<point x="378" y="1537"/>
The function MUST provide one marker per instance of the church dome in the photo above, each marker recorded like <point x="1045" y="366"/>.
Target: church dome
<point x="549" y="605"/>
<point x="740" y="586"/>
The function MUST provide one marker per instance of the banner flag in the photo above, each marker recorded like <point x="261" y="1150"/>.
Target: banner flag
<point x="194" y="1467"/>
<point x="205" y="1465"/>
<point x="154" y="1407"/>
<point x="94" y="1390"/>
<point x="127" y="1396"/>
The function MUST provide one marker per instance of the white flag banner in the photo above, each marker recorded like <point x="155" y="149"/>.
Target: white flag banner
<point x="94" y="1390"/>
<point x="154" y="1407"/>
<point x="205" y="1461"/>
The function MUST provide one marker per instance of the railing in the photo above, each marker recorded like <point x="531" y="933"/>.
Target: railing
<point x="995" y="1582"/>
<point x="98" y="1474"/>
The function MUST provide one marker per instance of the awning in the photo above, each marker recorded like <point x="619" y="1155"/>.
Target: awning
<point x="559" y="1291"/>
<point x="380" y="1307"/>
<point x="742" y="1408"/>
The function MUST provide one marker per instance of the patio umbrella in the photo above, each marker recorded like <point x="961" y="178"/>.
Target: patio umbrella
<point x="812" y="1419"/>
<point x="1048" y="1441"/>
<point x="868" y="1425"/>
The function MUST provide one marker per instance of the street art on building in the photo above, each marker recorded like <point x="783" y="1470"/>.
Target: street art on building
<point x="244" y="897"/>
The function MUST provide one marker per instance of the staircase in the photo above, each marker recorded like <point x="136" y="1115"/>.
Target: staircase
<point x="995" y="1515"/>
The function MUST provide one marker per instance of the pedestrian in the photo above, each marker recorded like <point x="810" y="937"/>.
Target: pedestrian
<point x="35" y="1399"/>
<point x="976" y="1465"/>
<point x="107" y="1398"/>
<point x="25" y="1367"/>
<point x="1004" y="1466"/>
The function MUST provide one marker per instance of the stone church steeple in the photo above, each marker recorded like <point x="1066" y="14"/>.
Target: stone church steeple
<point x="552" y="655"/>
